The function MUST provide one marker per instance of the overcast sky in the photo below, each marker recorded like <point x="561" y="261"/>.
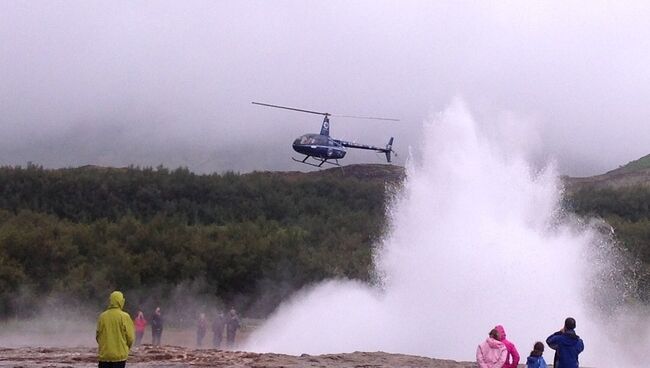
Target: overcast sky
<point x="159" y="82"/>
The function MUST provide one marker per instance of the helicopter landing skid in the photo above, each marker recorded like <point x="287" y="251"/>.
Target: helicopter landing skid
<point x="322" y="161"/>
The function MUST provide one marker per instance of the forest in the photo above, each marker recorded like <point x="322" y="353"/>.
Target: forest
<point x="244" y="240"/>
<point x="627" y="211"/>
<point x="247" y="240"/>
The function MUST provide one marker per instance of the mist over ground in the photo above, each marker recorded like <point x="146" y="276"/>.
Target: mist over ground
<point x="150" y="83"/>
<point x="58" y="320"/>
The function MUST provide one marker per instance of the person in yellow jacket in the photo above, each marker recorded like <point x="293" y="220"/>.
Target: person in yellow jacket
<point x="115" y="333"/>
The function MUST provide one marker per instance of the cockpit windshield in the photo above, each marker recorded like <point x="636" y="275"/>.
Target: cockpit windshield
<point x="312" y="139"/>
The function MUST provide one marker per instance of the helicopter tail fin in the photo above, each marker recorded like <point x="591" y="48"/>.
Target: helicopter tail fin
<point x="389" y="149"/>
<point x="325" y="128"/>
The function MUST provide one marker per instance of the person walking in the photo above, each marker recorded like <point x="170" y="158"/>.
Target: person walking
<point x="114" y="334"/>
<point x="217" y="330"/>
<point x="512" y="360"/>
<point x="491" y="353"/>
<point x="232" y="325"/>
<point x="567" y="345"/>
<point x="201" y="329"/>
<point x="140" y="324"/>
<point x="535" y="359"/>
<point x="156" y="327"/>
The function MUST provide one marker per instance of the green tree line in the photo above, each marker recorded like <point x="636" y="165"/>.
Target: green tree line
<point x="248" y="240"/>
<point x="77" y="233"/>
<point x="627" y="210"/>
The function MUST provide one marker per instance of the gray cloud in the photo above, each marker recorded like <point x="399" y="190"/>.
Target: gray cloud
<point x="148" y="83"/>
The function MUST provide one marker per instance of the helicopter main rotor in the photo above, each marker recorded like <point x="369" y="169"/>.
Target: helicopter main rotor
<point x="292" y="109"/>
<point x="323" y="113"/>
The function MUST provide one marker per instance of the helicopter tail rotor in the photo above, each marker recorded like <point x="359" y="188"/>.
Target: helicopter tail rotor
<point x="389" y="149"/>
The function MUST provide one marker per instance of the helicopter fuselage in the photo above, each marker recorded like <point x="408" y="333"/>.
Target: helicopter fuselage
<point x="324" y="149"/>
<point x="318" y="145"/>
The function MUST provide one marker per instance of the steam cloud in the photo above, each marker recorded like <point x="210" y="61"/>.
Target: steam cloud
<point x="477" y="240"/>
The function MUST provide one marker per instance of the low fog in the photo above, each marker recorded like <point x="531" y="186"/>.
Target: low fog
<point x="59" y="321"/>
<point x="148" y="83"/>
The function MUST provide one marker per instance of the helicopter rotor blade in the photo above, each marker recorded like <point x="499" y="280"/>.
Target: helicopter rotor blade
<point x="363" y="117"/>
<point x="292" y="108"/>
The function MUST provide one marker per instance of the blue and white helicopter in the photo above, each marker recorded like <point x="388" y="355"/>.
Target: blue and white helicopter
<point x="322" y="148"/>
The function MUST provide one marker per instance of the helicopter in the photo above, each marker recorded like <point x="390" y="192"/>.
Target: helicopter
<point x="322" y="148"/>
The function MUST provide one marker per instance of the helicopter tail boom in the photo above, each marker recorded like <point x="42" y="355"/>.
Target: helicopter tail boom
<point x="387" y="151"/>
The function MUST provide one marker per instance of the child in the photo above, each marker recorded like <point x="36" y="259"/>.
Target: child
<point x="536" y="360"/>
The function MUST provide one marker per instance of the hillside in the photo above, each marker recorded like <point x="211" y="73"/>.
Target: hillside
<point x="621" y="197"/>
<point x="373" y="173"/>
<point x="389" y="174"/>
<point x="635" y="173"/>
<point x="641" y="164"/>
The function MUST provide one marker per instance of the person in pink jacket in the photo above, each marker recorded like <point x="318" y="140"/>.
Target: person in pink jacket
<point x="512" y="361"/>
<point x="491" y="353"/>
<point x="140" y="324"/>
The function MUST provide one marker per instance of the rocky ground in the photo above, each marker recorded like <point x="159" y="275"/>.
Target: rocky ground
<point x="174" y="356"/>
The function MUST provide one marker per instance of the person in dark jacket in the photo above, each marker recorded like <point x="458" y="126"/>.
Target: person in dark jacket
<point x="567" y="345"/>
<point x="217" y="329"/>
<point x="115" y="333"/>
<point x="535" y="359"/>
<point x="156" y="327"/>
<point x="232" y="325"/>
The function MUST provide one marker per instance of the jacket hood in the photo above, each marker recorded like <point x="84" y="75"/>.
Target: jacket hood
<point x="494" y="343"/>
<point x="570" y="338"/>
<point x="116" y="300"/>
<point x="571" y="334"/>
<point x="531" y="360"/>
<point x="501" y="331"/>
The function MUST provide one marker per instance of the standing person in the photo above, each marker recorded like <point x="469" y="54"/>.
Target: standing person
<point x="536" y="360"/>
<point x="201" y="328"/>
<point x="491" y="353"/>
<point x="567" y="345"/>
<point x="232" y="325"/>
<point x="140" y="323"/>
<point x="156" y="327"/>
<point x="114" y="334"/>
<point x="217" y="329"/>
<point x="512" y="360"/>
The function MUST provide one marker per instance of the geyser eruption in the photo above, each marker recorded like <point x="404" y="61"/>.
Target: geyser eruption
<point x="477" y="239"/>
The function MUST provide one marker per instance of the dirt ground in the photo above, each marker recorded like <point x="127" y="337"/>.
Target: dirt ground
<point x="175" y="356"/>
<point x="52" y="345"/>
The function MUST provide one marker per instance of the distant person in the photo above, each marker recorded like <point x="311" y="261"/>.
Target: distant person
<point x="512" y="360"/>
<point x="217" y="329"/>
<point x="140" y="324"/>
<point x="114" y="334"/>
<point x="567" y="345"/>
<point x="201" y="329"/>
<point x="156" y="327"/>
<point x="535" y="359"/>
<point x="232" y="325"/>
<point x="491" y="353"/>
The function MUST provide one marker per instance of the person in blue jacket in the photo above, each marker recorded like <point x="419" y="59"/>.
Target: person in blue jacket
<point x="535" y="359"/>
<point x="567" y="345"/>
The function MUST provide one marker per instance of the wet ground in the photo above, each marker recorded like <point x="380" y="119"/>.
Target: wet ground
<point x="57" y="344"/>
<point x="175" y="356"/>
